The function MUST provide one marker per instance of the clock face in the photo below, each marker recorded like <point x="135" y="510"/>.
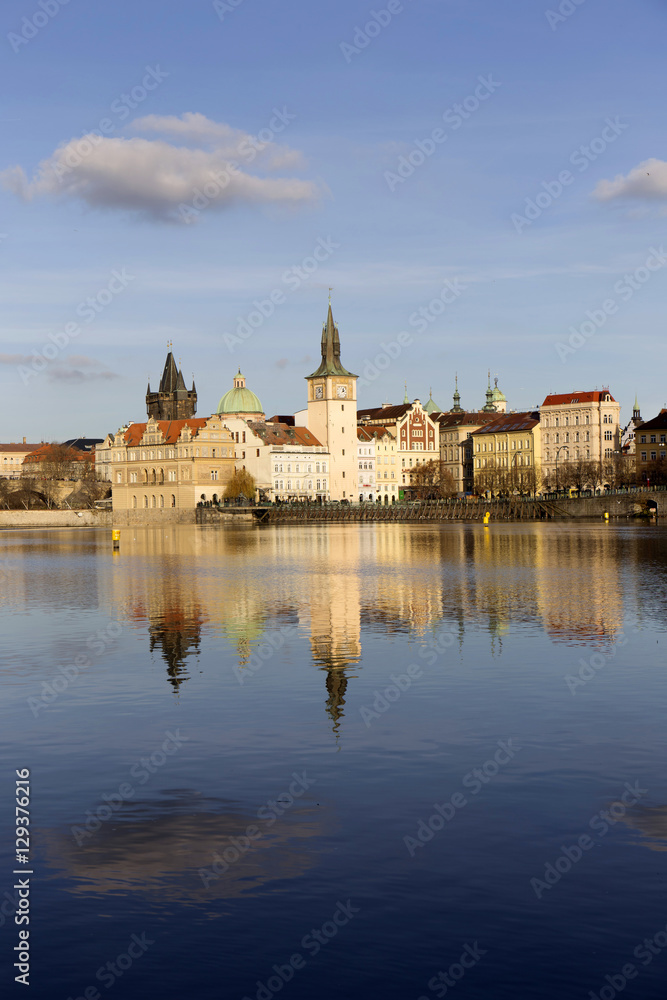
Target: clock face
<point x="319" y="392"/>
<point x="341" y="391"/>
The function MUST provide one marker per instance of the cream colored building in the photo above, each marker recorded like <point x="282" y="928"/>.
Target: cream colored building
<point x="579" y="426"/>
<point x="12" y="455"/>
<point x="167" y="463"/>
<point x="332" y="413"/>
<point x="287" y="463"/>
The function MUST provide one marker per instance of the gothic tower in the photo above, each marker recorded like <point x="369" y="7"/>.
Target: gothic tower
<point x="332" y="412"/>
<point x="172" y="401"/>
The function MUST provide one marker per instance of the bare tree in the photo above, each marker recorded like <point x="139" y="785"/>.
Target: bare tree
<point x="432" y="481"/>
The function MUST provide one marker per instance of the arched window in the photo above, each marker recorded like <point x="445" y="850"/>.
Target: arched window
<point x="153" y="501"/>
<point x="134" y="501"/>
<point x="145" y="500"/>
<point x="173" y="500"/>
<point x="161" y="501"/>
<point x="317" y="467"/>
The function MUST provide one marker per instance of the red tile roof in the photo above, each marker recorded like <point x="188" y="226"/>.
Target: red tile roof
<point x="283" y="434"/>
<point x="170" y="429"/>
<point x="566" y="398"/>
<point x="372" y="431"/>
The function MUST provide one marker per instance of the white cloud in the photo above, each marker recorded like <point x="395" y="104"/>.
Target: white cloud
<point x="160" y="181"/>
<point x="647" y="182"/>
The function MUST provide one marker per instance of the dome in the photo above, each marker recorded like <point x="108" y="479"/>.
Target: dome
<point x="239" y="399"/>
<point x="496" y="395"/>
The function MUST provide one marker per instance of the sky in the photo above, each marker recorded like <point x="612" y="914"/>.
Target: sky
<point x="483" y="186"/>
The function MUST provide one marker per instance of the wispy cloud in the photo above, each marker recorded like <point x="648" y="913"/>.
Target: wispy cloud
<point x="154" y="178"/>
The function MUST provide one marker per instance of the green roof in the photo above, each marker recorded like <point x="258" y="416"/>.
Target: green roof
<point x="239" y="399"/>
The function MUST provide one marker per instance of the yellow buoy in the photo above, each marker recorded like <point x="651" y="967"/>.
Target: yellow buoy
<point x="115" y="537"/>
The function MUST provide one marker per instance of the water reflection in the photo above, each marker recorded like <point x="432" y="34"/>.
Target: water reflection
<point x="156" y="848"/>
<point x="334" y="579"/>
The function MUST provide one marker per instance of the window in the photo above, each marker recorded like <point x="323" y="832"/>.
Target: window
<point x="643" y="439"/>
<point x="161" y="501"/>
<point x="133" y="477"/>
<point x="134" y="501"/>
<point x="643" y="456"/>
<point x="145" y="501"/>
<point x="214" y="474"/>
<point x="653" y="439"/>
<point x="608" y="436"/>
<point x="173" y="500"/>
<point x="653" y="456"/>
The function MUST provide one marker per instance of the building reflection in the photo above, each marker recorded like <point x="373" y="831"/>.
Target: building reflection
<point x="187" y="587"/>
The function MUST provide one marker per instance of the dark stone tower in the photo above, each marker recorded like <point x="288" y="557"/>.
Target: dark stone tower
<point x="172" y="401"/>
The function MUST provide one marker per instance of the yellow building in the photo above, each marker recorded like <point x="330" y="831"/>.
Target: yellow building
<point x="507" y="454"/>
<point x="168" y="463"/>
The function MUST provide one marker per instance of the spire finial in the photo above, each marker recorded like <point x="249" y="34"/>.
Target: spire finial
<point x="330" y="291"/>
<point x="405" y="397"/>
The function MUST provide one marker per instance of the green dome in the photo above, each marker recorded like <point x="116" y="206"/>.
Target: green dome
<point x="496" y="395"/>
<point x="239" y="399"/>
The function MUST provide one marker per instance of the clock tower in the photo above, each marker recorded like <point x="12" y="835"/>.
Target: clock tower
<point x="332" y="413"/>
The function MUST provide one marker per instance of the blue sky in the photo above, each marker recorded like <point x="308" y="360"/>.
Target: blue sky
<point x="317" y="131"/>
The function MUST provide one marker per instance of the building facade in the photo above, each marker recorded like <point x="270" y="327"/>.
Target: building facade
<point x="287" y="463"/>
<point x="651" y="450"/>
<point x="168" y="463"/>
<point x="12" y="457"/>
<point x="332" y="413"/>
<point x="457" y="446"/>
<point x="579" y="426"/>
<point x="506" y="454"/>
<point x="414" y="437"/>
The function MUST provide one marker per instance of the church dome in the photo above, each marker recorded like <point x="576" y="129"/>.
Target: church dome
<point x="496" y="395"/>
<point x="239" y="399"/>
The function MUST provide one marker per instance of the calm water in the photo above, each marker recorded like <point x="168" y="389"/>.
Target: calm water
<point x="229" y="791"/>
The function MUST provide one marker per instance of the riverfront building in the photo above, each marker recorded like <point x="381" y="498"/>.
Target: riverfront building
<point x="579" y="426"/>
<point x="168" y="463"/>
<point x="507" y="454"/>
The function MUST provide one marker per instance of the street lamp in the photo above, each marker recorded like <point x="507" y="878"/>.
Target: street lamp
<point x="558" y="451"/>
